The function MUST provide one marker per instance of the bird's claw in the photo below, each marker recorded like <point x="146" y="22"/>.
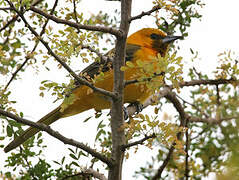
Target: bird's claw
<point x="138" y="106"/>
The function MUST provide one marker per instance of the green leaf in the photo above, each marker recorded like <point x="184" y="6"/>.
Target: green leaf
<point x="56" y="162"/>
<point x="21" y="114"/>
<point x="87" y="119"/>
<point x="16" y="44"/>
<point x="130" y="64"/>
<point x="63" y="159"/>
<point x="73" y="156"/>
<point x="99" y="125"/>
<point x="9" y="131"/>
<point x="75" y="163"/>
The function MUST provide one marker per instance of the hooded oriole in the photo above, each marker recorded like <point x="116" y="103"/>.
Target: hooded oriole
<point x="143" y="44"/>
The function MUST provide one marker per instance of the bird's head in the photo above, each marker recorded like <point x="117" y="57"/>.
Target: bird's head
<point x="151" y="38"/>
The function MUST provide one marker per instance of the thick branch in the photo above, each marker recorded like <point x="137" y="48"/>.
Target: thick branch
<point x="77" y="78"/>
<point x="76" y="25"/>
<point x="87" y="173"/>
<point x="58" y="136"/>
<point x="171" y="96"/>
<point x="151" y="100"/>
<point x="95" y="174"/>
<point x="147" y="13"/>
<point x="117" y="116"/>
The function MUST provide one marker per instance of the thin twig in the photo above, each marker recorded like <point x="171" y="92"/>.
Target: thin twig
<point x="6" y="9"/>
<point x="75" y="13"/>
<point x="186" y="150"/>
<point x="207" y="82"/>
<point x="199" y="74"/>
<point x="101" y="56"/>
<point x="165" y="162"/>
<point x="34" y="48"/>
<point x="147" y="13"/>
<point x="171" y="96"/>
<point x="141" y="141"/>
<point x="14" y="18"/>
<point x="211" y="120"/>
<point x="76" y="77"/>
<point x="193" y="105"/>
<point x="104" y="29"/>
<point x="218" y="95"/>
<point x="58" y="136"/>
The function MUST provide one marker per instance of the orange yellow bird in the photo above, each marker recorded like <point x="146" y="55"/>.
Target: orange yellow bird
<point x="142" y="45"/>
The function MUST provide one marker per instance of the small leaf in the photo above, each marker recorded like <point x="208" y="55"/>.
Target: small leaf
<point x="9" y="131"/>
<point x="73" y="156"/>
<point x="130" y="64"/>
<point x="124" y="68"/>
<point x="74" y="163"/>
<point x="62" y="160"/>
<point x="87" y="119"/>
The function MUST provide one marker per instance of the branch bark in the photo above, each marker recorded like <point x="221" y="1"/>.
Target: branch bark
<point x="147" y="13"/>
<point x="117" y="117"/>
<point x="78" y="26"/>
<point x="167" y="88"/>
<point x="141" y="141"/>
<point x="58" y="136"/>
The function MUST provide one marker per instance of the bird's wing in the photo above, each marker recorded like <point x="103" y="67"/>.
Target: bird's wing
<point x="96" y="67"/>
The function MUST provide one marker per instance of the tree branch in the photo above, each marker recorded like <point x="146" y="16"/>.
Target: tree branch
<point x="117" y="116"/>
<point x="95" y="174"/>
<point x="141" y="141"/>
<point x="104" y="29"/>
<point x="147" y="13"/>
<point x="207" y="82"/>
<point x="103" y="58"/>
<point x="152" y="99"/>
<point x="171" y="96"/>
<point x="193" y="105"/>
<point x="87" y="173"/>
<point x="165" y="162"/>
<point x="14" y="18"/>
<point x="187" y="145"/>
<point x="211" y="120"/>
<point x="76" y="77"/>
<point x="58" y="136"/>
<point x="34" y="48"/>
<point x="5" y="9"/>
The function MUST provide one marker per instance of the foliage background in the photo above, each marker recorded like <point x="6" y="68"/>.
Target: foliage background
<point x="216" y="32"/>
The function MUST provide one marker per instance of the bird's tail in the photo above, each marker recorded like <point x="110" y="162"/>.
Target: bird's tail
<point x="47" y="119"/>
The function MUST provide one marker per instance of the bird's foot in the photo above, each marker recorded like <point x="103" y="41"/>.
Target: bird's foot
<point x="137" y="105"/>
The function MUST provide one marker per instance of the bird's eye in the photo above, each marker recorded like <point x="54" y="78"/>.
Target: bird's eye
<point x="155" y="36"/>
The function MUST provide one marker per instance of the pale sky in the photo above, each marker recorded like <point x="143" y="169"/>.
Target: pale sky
<point x="215" y="33"/>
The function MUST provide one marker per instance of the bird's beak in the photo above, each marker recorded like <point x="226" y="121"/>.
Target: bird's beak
<point x="169" y="39"/>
